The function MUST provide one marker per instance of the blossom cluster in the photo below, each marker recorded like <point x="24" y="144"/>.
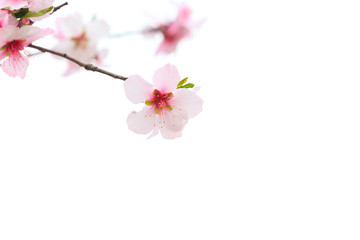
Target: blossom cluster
<point x="168" y="103"/>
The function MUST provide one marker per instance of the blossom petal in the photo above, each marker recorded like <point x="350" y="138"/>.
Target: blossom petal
<point x="167" y="134"/>
<point x="7" y="34"/>
<point x="100" y="56"/>
<point x="97" y="29"/>
<point x="181" y="21"/>
<point x="167" y="46"/>
<point x="141" y="122"/>
<point x="154" y="133"/>
<point x="72" y="67"/>
<point x="137" y="89"/>
<point x="7" y="19"/>
<point x="13" y="4"/>
<point x="176" y="119"/>
<point x="69" y="27"/>
<point x="171" y="123"/>
<point x="188" y="101"/>
<point x="31" y="34"/>
<point x="166" y="78"/>
<point x="15" y="65"/>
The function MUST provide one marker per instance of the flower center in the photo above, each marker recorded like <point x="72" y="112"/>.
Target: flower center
<point x="174" y="36"/>
<point x="159" y="101"/>
<point x="13" y="47"/>
<point x="81" y="41"/>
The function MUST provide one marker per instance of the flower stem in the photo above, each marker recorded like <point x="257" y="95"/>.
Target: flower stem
<point x="88" y="67"/>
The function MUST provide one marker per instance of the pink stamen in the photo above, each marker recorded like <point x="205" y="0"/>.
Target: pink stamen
<point x="81" y="41"/>
<point x="12" y="48"/>
<point x="160" y="100"/>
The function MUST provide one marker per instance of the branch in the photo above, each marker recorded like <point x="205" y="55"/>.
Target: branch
<point x="58" y="7"/>
<point x="88" y="67"/>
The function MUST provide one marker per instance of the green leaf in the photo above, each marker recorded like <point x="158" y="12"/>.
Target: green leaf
<point x="21" y="12"/>
<point x="148" y="103"/>
<point x="189" y="85"/>
<point x="182" y="82"/>
<point x="38" y="13"/>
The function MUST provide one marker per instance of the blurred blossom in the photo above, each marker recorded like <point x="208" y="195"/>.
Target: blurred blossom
<point x="174" y="31"/>
<point x="80" y="40"/>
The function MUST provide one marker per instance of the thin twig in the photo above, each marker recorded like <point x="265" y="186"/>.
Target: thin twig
<point x="88" y="67"/>
<point x="58" y="7"/>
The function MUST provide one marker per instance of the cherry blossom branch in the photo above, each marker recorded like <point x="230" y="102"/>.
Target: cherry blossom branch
<point x="58" y="7"/>
<point x="88" y="67"/>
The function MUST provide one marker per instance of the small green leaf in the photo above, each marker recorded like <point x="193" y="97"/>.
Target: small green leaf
<point x="148" y="103"/>
<point x="21" y="12"/>
<point x="38" y="13"/>
<point x="189" y="85"/>
<point x="182" y="82"/>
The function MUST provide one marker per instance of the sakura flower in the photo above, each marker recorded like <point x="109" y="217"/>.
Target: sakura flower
<point x="177" y="30"/>
<point x="13" y="40"/>
<point x="80" y="41"/>
<point x="167" y="105"/>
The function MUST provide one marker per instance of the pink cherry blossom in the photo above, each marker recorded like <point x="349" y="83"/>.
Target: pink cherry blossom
<point x="13" y="40"/>
<point x="80" y="40"/>
<point x="166" y="108"/>
<point x="177" y="30"/>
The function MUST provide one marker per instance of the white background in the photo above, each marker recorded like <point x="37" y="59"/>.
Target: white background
<point x="274" y="154"/>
